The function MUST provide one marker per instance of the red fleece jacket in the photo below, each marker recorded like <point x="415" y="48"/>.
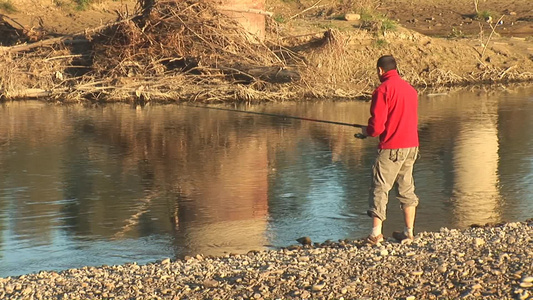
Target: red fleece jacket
<point x="394" y="113"/>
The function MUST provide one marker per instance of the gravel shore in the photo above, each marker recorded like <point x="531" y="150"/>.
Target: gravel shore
<point x="488" y="262"/>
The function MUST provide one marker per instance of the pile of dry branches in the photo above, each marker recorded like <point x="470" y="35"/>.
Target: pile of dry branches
<point x="178" y="35"/>
<point x="182" y="50"/>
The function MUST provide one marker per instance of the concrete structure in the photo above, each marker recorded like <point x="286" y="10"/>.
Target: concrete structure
<point x="250" y="13"/>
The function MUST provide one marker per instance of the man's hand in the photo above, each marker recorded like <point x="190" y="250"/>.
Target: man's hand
<point x="362" y="135"/>
<point x="363" y="131"/>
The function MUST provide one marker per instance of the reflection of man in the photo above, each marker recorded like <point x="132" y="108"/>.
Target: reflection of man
<point x="394" y="118"/>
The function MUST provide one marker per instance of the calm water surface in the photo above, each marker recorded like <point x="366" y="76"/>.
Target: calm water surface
<point x="114" y="184"/>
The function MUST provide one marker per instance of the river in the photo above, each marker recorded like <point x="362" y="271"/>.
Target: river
<point x="112" y="184"/>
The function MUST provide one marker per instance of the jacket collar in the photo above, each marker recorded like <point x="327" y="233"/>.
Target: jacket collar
<point x="389" y="74"/>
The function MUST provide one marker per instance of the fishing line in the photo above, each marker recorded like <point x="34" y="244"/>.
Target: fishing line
<point x="278" y="116"/>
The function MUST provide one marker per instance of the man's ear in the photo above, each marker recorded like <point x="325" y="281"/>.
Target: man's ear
<point x="381" y="71"/>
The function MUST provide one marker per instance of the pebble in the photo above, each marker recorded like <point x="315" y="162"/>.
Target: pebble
<point x="527" y="279"/>
<point x="318" y="287"/>
<point x="210" y="283"/>
<point x="464" y="264"/>
<point x="352" y="17"/>
<point x="26" y="291"/>
<point x="523" y="295"/>
<point x="304" y="240"/>
<point x="384" y="252"/>
<point x="479" y="242"/>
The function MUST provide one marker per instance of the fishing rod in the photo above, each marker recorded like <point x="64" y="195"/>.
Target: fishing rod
<point x="280" y="116"/>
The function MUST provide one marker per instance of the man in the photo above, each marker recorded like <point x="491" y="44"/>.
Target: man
<point x="394" y="118"/>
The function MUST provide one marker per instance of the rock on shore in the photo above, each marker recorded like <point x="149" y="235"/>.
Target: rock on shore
<point x="492" y="262"/>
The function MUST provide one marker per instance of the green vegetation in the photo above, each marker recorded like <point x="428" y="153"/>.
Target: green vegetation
<point x="83" y="4"/>
<point x="64" y="4"/>
<point x="355" y="5"/>
<point x="279" y="18"/>
<point x="388" y="25"/>
<point x="367" y="15"/>
<point x="377" y="22"/>
<point x="328" y="25"/>
<point x="381" y="43"/>
<point x="484" y="15"/>
<point x="456" y="33"/>
<point x="7" y="6"/>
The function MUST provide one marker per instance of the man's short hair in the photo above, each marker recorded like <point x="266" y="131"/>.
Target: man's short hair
<point x="387" y="63"/>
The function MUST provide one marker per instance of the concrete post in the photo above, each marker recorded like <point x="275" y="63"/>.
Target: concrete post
<point x="250" y="13"/>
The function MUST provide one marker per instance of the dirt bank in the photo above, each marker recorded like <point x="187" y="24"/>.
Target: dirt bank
<point x="459" y="17"/>
<point x="317" y="52"/>
<point x="430" y="17"/>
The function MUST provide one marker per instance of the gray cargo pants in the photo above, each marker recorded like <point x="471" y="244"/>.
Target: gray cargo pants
<point x="392" y="166"/>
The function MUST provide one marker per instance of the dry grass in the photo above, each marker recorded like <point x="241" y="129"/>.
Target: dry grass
<point x="341" y="72"/>
<point x="37" y="70"/>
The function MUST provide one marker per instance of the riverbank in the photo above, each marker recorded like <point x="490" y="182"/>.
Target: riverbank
<point x="491" y="262"/>
<point x="188" y="51"/>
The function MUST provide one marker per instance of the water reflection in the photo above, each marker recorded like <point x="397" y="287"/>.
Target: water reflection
<point x="476" y="196"/>
<point x="112" y="184"/>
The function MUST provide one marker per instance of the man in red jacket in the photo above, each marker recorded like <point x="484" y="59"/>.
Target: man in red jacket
<point x="394" y="118"/>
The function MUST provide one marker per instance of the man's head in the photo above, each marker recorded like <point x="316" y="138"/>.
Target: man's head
<point x="385" y="64"/>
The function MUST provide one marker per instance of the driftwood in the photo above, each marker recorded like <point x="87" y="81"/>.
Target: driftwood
<point x="69" y="39"/>
<point x="28" y="93"/>
<point x="79" y="37"/>
<point x="272" y="74"/>
<point x="10" y="22"/>
<point x="246" y="10"/>
<point x="10" y="30"/>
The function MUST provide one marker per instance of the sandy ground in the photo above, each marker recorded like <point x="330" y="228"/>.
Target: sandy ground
<point x="431" y="17"/>
<point x="456" y="17"/>
<point x="64" y="17"/>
